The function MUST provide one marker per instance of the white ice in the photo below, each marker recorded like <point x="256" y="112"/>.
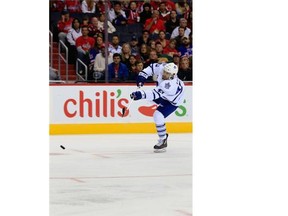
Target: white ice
<point x="120" y="175"/>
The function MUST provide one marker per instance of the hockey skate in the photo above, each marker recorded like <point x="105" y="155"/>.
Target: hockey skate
<point x="161" y="145"/>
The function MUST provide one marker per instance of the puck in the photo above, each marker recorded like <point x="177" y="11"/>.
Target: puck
<point x="62" y="147"/>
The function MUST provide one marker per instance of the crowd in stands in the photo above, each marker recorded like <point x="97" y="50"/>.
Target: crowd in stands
<point x="162" y="32"/>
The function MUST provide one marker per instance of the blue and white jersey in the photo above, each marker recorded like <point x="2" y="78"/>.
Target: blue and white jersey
<point x="171" y="90"/>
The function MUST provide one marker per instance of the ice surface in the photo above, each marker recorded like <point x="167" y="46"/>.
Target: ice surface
<point x="120" y="175"/>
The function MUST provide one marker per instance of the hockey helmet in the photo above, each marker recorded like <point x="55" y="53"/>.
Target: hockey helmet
<point x="171" y="68"/>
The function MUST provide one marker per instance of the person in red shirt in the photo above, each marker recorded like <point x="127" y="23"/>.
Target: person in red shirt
<point x="73" y="6"/>
<point x="133" y="16"/>
<point x="64" y="25"/>
<point x="164" y="13"/>
<point x="162" y="39"/>
<point x="170" y="5"/>
<point x="84" y="44"/>
<point x="155" y="4"/>
<point x="171" y="48"/>
<point x="154" y="25"/>
<point x="93" y="27"/>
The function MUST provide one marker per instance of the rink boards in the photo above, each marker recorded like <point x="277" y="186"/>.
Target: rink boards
<point x="97" y="109"/>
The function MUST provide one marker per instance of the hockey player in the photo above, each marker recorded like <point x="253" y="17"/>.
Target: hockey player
<point x="168" y="94"/>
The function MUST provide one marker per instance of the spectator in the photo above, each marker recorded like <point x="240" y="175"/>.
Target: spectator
<point x="93" y="27"/>
<point x="72" y="35"/>
<point x="95" y="50"/>
<point x="144" y="52"/>
<point x="171" y="48"/>
<point x="133" y="45"/>
<point x="117" y="71"/>
<point x="114" y="47"/>
<point x="99" y="64"/>
<point x="144" y="39"/>
<point x="64" y="25"/>
<point x="153" y="58"/>
<point x="182" y="7"/>
<point x="53" y="74"/>
<point x="162" y="39"/>
<point x="146" y="13"/>
<point x="185" y="72"/>
<point x="181" y="34"/>
<point x="84" y="44"/>
<point x="88" y="6"/>
<point x="161" y="56"/>
<point x="101" y="21"/>
<point x="85" y="21"/>
<point x="117" y="15"/>
<point x="186" y="47"/>
<point x="139" y="66"/>
<point x="170" y="5"/>
<point x="154" y="25"/>
<point x="132" y="15"/>
<point x="125" y="53"/>
<point x="73" y="6"/>
<point x="152" y="44"/>
<point x="183" y="23"/>
<point x="164" y="14"/>
<point x="176" y="59"/>
<point x="172" y="23"/>
<point x="125" y="6"/>
<point x="98" y="45"/>
<point x="132" y="68"/>
<point x="56" y="5"/>
<point x="155" y="4"/>
<point x="100" y="7"/>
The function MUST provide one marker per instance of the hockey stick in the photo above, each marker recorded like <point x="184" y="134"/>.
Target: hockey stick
<point x="124" y="109"/>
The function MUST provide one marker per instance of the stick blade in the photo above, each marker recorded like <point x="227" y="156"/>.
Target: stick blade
<point x="123" y="111"/>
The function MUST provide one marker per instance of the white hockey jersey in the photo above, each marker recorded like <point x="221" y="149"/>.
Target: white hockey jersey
<point x="171" y="90"/>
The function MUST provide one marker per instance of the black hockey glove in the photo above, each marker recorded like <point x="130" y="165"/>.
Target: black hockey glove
<point x="136" y="95"/>
<point x="140" y="81"/>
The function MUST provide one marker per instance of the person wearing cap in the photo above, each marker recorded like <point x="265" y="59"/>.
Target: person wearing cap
<point x="186" y="47"/>
<point x="64" y="25"/>
<point x="99" y="65"/>
<point x="134" y="45"/>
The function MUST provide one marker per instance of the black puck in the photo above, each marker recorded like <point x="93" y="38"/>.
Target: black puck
<point x="62" y="147"/>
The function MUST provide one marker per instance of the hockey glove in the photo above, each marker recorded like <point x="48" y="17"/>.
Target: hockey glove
<point x="140" y="81"/>
<point x="137" y="95"/>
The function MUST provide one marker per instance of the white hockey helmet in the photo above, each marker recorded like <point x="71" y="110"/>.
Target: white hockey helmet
<point x="171" y="68"/>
